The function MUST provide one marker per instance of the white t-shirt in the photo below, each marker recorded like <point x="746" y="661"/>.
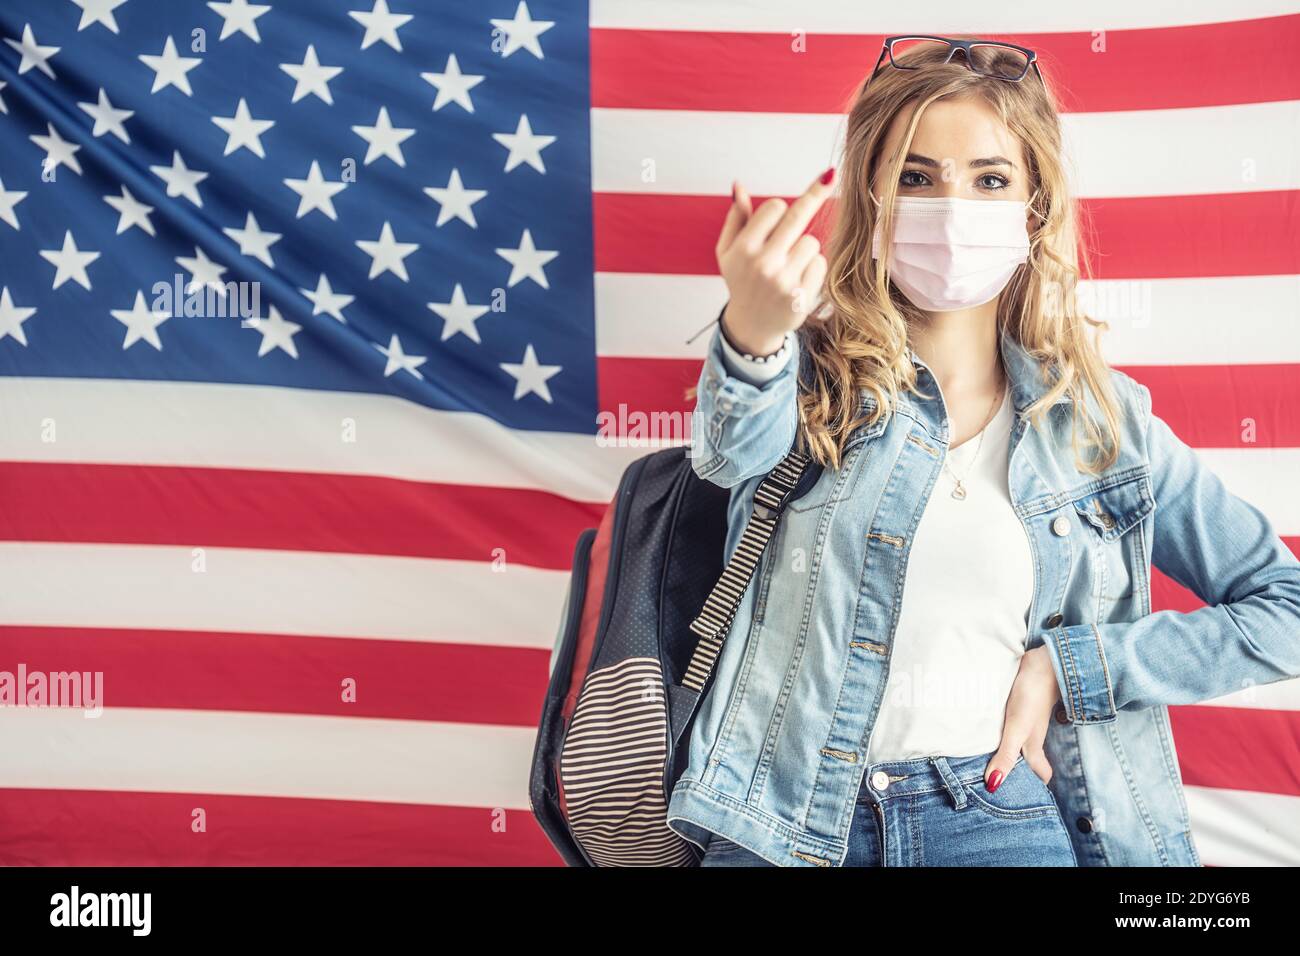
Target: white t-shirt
<point x="965" y="614"/>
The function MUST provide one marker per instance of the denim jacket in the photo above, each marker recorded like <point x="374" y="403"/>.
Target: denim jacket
<point x="777" y="751"/>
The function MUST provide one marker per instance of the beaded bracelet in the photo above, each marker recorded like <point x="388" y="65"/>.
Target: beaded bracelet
<point x="761" y="359"/>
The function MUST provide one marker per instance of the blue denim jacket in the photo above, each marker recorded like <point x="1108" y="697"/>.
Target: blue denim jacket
<point x="777" y="752"/>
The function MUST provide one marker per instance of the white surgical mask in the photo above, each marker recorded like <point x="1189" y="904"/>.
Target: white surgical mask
<point x="950" y="254"/>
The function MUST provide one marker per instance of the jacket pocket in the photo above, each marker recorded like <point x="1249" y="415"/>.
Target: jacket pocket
<point x="837" y="485"/>
<point x="1114" y="510"/>
<point x="1111" y="517"/>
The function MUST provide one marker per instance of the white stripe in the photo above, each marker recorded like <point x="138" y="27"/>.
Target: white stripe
<point x="279" y="592"/>
<point x="1241" y="828"/>
<point x="1258" y="475"/>
<point x="267" y="755"/>
<point x="1136" y="153"/>
<point x="116" y="421"/>
<point x="1152" y="321"/>
<point x="942" y="17"/>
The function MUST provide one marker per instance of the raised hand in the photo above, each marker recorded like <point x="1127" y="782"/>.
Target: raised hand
<point x="772" y="269"/>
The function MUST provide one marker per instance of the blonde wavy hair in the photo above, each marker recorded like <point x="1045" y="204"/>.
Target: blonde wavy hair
<point x="863" y="341"/>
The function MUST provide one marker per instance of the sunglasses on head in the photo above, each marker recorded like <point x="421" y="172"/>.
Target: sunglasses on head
<point x="1003" y="61"/>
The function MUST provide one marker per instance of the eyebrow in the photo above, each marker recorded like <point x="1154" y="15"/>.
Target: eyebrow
<point x="973" y="164"/>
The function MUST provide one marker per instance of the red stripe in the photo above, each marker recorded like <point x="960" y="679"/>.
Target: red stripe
<point x="109" y="828"/>
<point x="1171" y="237"/>
<point x="1206" y="404"/>
<point x="1161" y="237"/>
<point x="240" y="508"/>
<point x="645" y="385"/>
<point x="1238" y="748"/>
<point x="1180" y="394"/>
<point x="1246" y="61"/>
<point x="274" y="673"/>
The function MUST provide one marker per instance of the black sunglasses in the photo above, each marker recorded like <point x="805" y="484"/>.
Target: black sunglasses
<point x="1012" y="65"/>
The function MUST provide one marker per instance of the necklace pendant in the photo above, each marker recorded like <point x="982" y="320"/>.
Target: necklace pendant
<point x="959" y="492"/>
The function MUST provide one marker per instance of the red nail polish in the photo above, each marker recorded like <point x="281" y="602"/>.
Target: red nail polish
<point x="995" y="780"/>
<point x="734" y="197"/>
<point x="828" y="176"/>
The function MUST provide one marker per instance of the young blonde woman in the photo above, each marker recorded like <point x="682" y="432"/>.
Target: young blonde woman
<point x="947" y="655"/>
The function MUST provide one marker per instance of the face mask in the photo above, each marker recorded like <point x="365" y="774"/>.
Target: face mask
<point x="953" y="254"/>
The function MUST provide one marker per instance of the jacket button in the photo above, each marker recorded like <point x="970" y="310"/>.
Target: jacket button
<point x="1084" y="824"/>
<point x="1061" y="716"/>
<point x="1061" y="526"/>
<point x="880" y="780"/>
<point x="1055" y="620"/>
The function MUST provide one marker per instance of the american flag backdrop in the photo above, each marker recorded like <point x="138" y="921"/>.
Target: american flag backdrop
<point x="318" y="545"/>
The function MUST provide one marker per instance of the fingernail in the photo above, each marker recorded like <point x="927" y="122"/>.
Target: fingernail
<point x="995" y="781"/>
<point x="828" y="176"/>
<point x="734" y="198"/>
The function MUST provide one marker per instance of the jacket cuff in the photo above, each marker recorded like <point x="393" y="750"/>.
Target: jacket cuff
<point x="728" y="396"/>
<point x="1081" y="671"/>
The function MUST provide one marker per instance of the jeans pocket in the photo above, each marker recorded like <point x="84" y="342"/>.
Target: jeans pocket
<point x="1022" y="796"/>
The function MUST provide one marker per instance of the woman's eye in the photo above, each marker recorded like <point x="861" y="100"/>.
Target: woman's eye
<point x="913" y="179"/>
<point x="992" y="181"/>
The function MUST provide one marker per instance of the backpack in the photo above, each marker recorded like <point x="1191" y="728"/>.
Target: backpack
<point x="648" y="607"/>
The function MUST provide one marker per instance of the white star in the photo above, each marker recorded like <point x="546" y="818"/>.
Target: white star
<point x="9" y="199"/>
<point x="311" y="77"/>
<point x="458" y="315"/>
<point x="526" y="262"/>
<point x="3" y="108"/>
<point x="522" y="32"/>
<point x="141" y="322"/>
<point x="243" y="131"/>
<point x="239" y="15"/>
<point x="326" y="300"/>
<point x="386" y="253"/>
<point x="453" y="85"/>
<point x="277" y="333"/>
<point x="69" y="262"/>
<point x="170" y="69"/>
<point x="131" y="212"/>
<point x="455" y="200"/>
<point x="524" y="146"/>
<point x="399" y="360"/>
<point x="253" y="241"/>
<point x="384" y="138"/>
<point x="57" y="151"/>
<point x="380" y="24"/>
<point x="12" y="317"/>
<point x="180" y="179"/>
<point x="33" y="54"/>
<point x="98" y="11"/>
<point x="204" y="272"/>
<point x="316" y="191"/>
<point x="530" y="376"/>
<point x="107" y="119"/>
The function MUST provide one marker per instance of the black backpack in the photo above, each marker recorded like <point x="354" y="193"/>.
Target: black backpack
<point x="648" y="606"/>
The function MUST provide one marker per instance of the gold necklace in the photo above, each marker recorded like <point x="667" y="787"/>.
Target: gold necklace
<point x="959" y="490"/>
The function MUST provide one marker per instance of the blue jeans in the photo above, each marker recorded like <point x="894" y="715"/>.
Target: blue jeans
<point x="936" y="812"/>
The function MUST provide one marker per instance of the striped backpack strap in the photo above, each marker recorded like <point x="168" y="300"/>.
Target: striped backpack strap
<point x="713" y="622"/>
